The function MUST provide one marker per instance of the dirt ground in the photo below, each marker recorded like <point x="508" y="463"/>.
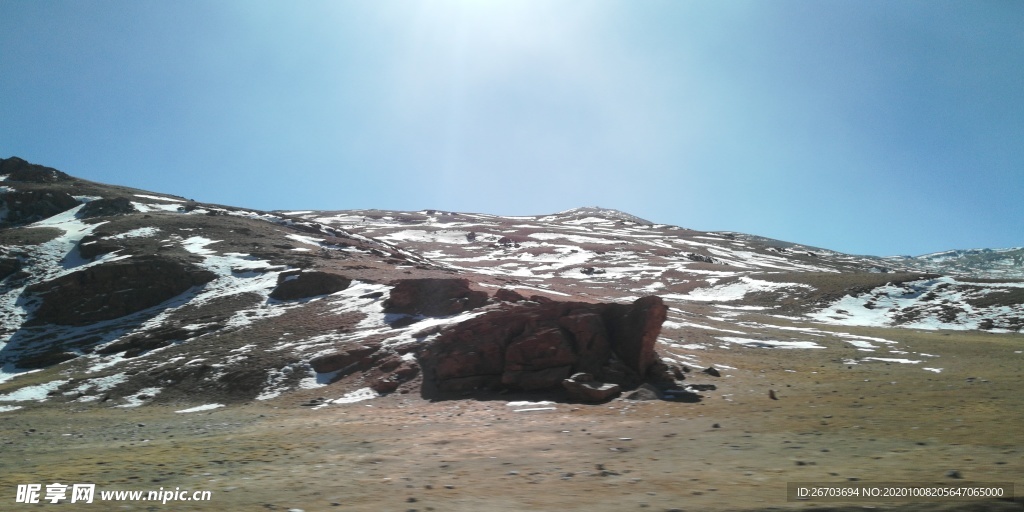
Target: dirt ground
<point x="735" y="450"/>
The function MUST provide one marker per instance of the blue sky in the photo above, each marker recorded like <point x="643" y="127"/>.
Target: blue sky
<point x="866" y="127"/>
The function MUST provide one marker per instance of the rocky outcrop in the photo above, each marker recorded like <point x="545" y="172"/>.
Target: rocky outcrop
<point x="538" y="346"/>
<point x="113" y="290"/>
<point x="359" y="355"/>
<point x="301" y="285"/>
<point x="433" y="297"/>
<point x="106" y="207"/>
<point x="91" y="246"/>
<point x="28" y="206"/>
<point x="17" y="169"/>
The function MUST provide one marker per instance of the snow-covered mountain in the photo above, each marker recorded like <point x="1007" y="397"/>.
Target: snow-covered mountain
<point x="979" y="263"/>
<point x="111" y="294"/>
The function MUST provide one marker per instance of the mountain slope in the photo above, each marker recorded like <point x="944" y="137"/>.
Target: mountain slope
<point x="115" y="294"/>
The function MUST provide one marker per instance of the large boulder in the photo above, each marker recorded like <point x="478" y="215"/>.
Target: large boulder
<point x="433" y="297"/>
<point x="301" y="285"/>
<point x="533" y="346"/>
<point x="107" y="207"/>
<point x="113" y="290"/>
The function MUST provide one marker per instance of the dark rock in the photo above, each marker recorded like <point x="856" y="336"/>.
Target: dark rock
<point x="113" y="290"/>
<point x="17" y="169"/>
<point x="338" y="361"/>
<point x="433" y="297"/>
<point x="28" y="206"/>
<point x="407" y="371"/>
<point x="712" y="371"/>
<point x="537" y="346"/>
<point x="136" y="344"/>
<point x="508" y="242"/>
<point x="635" y="330"/>
<point x="9" y="266"/>
<point x="312" y="283"/>
<point x="506" y="295"/>
<point x="681" y="395"/>
<point x="385" y="385"/>
<point x="582" y="387"/>
<point x="389" y="364"/>
<point x="403" y="321"/>
<point x="679" y="373"/>
<point x="540" y="299"/>
<point x="106" y="207"/>
<point x="645" y="392"/>
<point x="91" y="246"/>
<point x="372" y="295"/>
<point x="664" y="376"/>
<point x="701" y="387"/>
<point x="701" y="258"/>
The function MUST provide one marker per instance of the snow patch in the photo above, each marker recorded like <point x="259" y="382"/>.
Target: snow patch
<point x="198" y="408"/>
<point x="770" y="343"/>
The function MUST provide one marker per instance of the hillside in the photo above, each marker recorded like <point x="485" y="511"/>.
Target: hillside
<point x="119" y="301"/>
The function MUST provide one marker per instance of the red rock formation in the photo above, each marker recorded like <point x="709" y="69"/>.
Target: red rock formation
<point x="537" y="346"/>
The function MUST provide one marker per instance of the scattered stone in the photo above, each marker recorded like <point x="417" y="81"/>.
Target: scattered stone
<point x="953" y="474"/>
<point x="771" y="394"/>
<point x="712" y="371"/>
